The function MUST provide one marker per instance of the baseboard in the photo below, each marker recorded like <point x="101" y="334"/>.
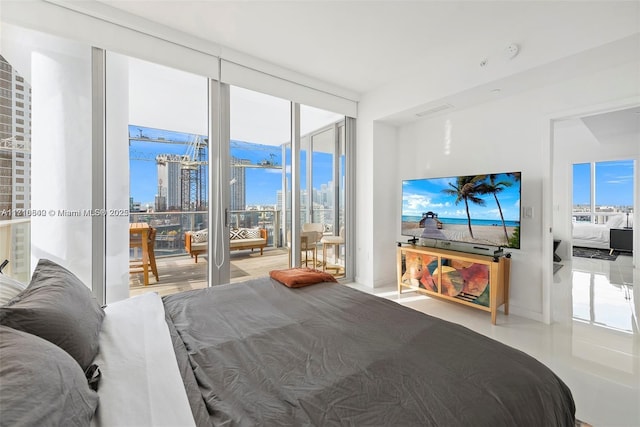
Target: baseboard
<point x="523" y="312"/>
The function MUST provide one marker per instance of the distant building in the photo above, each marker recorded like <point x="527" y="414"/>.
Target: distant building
<point x="15" y="162"/>
<point x="15" y="134"/>
<point x="238" y="182"/>
<point x="160" y="204"/>
<point x="169" y="181"/>
<point x="134" y="206"/>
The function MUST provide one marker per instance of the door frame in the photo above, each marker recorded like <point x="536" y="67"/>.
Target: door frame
<point x="548" y="125"/>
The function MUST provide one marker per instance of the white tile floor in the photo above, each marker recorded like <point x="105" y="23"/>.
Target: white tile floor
<point x="593" y="343"/>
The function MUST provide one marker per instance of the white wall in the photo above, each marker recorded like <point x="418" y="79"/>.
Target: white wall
<point x="507" y="134"/>
<point x="385" y="182"/>
<point x="574" y="143"/>
<point x="501" y="136"/>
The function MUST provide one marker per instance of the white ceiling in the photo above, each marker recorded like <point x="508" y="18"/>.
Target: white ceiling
<point x="622" y="126"/>
<point x="363" y="45"/>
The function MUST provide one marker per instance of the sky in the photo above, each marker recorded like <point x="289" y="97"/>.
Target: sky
<point x="158" y="96"/>
<point x="424" y="195"/>
<point x="614" y="183"/>
<point x="262" y="184"/>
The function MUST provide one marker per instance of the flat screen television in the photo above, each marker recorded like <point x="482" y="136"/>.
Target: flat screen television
<point x="477" y="209"/>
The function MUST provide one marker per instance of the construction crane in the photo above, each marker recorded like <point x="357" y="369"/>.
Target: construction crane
<point x="193" y="176"/>
<point x="193" y="163"/>
<point x="193" y="182"/>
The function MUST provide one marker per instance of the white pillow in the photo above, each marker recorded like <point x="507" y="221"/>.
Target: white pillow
<point x="140" y="383"/>
<point x="253" y="233"/>
<point x="9" y="288"/>
<point x="200" y="236"/>
<point x="616" y="221"/>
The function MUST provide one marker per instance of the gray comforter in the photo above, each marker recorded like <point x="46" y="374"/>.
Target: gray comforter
<point x="259" y="353"/>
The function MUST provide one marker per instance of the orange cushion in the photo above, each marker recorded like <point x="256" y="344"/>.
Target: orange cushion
<point x="299" y="277"/>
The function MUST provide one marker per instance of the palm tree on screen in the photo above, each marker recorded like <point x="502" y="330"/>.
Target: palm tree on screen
<point x="492" y="187"/>
<point x="467" y="188"/>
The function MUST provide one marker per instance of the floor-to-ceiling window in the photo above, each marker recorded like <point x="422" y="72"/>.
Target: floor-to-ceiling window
<point x="603" y="191"/>
<point x="259" y="128"/>
<point x="149" y="153"/>
<point x="15" y="172"/>
<point x="322" y="183"/>
<point x="157" y="129"/>
<point x="46" y="138"/>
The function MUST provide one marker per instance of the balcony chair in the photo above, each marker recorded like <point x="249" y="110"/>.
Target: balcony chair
<point x="308" y="243"/>
<point x="314" y="227"/>
<point x="334" y="241"/>
<point x="136" y="265"/>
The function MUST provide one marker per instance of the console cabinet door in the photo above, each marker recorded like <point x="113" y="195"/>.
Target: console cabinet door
<point x="465" y="280"/>
<point x="417" y="270"/>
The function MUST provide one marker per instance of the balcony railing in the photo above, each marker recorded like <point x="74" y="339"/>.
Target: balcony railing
<point x="171" y="226"/>
<point x="597" y="217"/>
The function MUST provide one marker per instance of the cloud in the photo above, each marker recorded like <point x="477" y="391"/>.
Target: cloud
<point x="619" y="180"/>
<point x="415" y="203"/>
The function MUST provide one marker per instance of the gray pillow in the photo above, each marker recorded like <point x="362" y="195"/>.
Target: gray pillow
<point x="9" y="288"/>
<point x="58" y="307"/>
<point x="41" y="384"/>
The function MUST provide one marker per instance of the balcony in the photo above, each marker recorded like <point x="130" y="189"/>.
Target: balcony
<point x="178" y="272"/>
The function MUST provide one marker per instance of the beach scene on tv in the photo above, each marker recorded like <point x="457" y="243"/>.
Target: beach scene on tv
<point x="478" y="209"/>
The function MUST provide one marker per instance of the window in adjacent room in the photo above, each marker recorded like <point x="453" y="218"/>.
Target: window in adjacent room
<point x="603" y="191"/>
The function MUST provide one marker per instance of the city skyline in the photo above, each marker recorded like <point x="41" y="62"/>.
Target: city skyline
<point x="261" y="183"/>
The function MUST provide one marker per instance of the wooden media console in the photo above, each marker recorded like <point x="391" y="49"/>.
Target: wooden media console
<point x="474" y="280"/>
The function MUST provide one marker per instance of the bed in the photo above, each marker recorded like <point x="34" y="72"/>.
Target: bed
<point x="260" y="353"/>
<point x="588" y="235"/>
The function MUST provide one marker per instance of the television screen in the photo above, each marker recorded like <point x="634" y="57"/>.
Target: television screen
<point x="477" y="209"/>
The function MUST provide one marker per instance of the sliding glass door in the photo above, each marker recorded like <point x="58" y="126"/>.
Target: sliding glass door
<point x="259" y="128"/>
<point x="158" y="171"/>
<point x="119" y="141"/>
<point x="322" y="185"/>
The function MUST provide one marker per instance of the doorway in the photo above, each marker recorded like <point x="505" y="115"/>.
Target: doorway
<point x="595" y="191"/>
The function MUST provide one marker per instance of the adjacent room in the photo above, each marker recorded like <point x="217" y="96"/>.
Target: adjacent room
<point x="366" y="213"/>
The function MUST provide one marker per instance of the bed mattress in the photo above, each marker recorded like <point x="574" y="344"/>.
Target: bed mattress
<point x="259" y="353"/>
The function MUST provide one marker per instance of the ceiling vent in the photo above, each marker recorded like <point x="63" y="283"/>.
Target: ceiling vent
<point x="434" y="110"/>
